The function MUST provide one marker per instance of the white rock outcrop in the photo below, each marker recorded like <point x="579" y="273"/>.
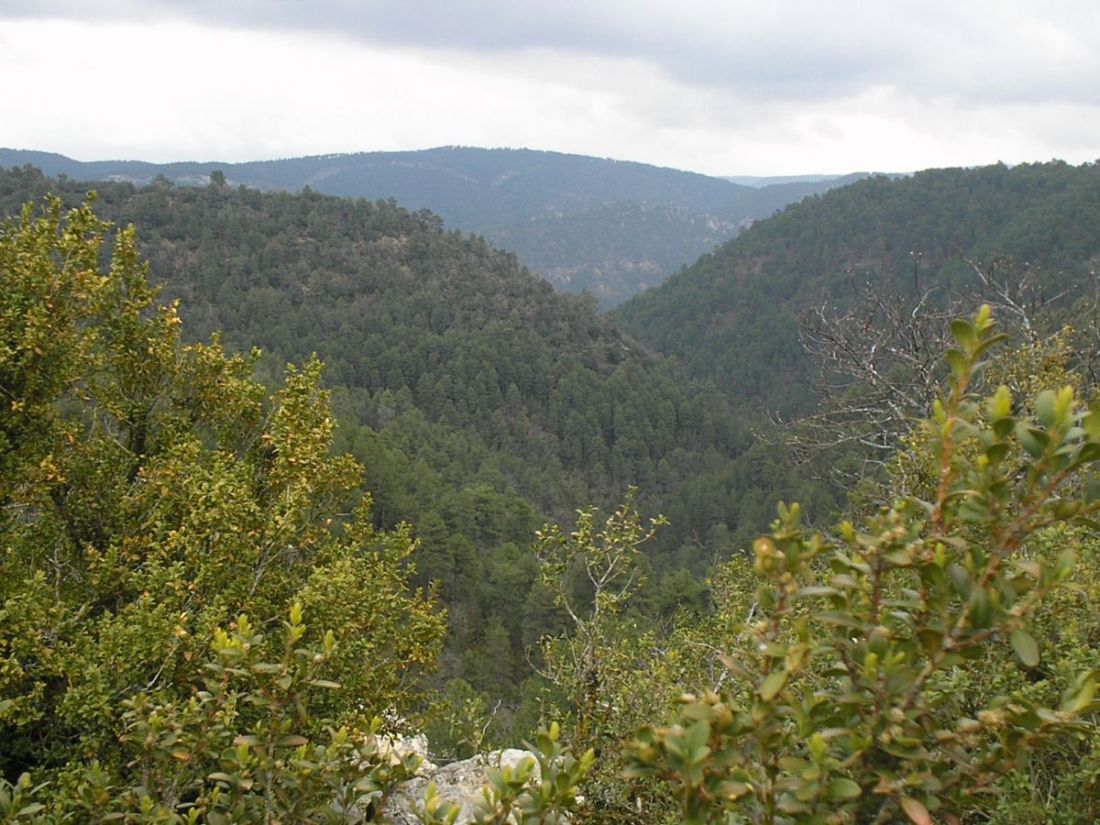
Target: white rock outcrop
<point x="459" y="783"/>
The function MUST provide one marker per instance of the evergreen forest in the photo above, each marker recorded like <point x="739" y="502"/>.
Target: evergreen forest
<point x="603" y="226"/>
<point x="286" y="476"/>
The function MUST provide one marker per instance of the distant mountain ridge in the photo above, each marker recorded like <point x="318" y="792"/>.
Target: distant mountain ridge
<point x="758" y="181"/>
<point x="569" y="217"/>
<point x="470" y="188"/>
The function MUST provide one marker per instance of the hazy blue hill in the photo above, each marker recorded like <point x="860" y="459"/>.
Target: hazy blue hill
<point x="613" y="250"/>
<point x="473" y="189"/>
<point x="759" y="181"/>
<point x="616" y="250"/>
<point x="133" y="171"/>
<point x="732" y="316"/>
<point x="571" y="217"/>
<point x="765" y="200"/>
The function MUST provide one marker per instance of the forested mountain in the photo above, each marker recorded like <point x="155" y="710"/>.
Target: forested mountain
<point x="616" y="250"/>
<point x="203" y="623"/>
<point x="613" y="250"/>
<point x="517" y="198"/>
<point x="471" y="189"/>
<point x="733" y="315"/>
<point x="480" y="401"/>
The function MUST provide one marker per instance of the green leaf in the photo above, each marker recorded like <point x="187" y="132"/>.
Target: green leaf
<point x="1091" y="422"/>
<point x="962" y="332"/>
<point x="368" y="784"/>
<point x="842" y="788"/>
<point x="957" y="361"/>
<point x="1003" y="427"/>
<point x="975" y="510"/>
<point x="1046" y="408"/>
<point x="837" y="618"/>
<point x="899" y="558"/>
<point x="981" y="609"/>
<point x="1033" y="440"/>
<point x="1027" y="650"/>
<point x="1031" y="568"/>
<point x="772" y="685"/>
<point x="1082" y="698"/>
<point x="960" y="580"/>
<point x="815" y="590"/>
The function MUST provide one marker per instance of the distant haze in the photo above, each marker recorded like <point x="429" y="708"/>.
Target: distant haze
<point x="757" y="181"/>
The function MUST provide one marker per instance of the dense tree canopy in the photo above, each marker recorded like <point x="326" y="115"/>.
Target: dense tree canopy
<point x="178" y="535"/>
<point x="480" y="402"/>
<point x="732" y="316"/>
<point x="151" y="493"/>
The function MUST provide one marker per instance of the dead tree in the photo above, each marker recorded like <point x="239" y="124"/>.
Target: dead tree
<point x="880" y="361"/>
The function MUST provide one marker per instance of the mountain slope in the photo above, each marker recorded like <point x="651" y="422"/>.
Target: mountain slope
<point x="474" y="189"/>
<point x="480" y="401"/>
<point x="616" y="250"/>
<point x="733" y="315"/>
<point x="516" y="197"/>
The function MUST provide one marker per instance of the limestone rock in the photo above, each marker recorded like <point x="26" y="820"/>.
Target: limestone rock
<point x="459" y="782"/>
<point x="395" y="748"/>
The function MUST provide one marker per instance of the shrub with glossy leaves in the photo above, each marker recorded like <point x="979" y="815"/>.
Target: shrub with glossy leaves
<point x="839" y="706"/>
<point x="150" y="493"/>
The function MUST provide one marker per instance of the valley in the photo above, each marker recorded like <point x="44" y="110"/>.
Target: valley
<point x="483" y="408"/>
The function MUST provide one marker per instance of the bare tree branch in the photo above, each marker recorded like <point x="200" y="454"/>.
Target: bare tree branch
<point x="880" y="358"/>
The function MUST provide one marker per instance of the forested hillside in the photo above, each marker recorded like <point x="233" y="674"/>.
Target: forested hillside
<point x="616" y="250"/>
<point x="576" y="219"/>
<point x="733" y="316"/>
<point x="472" y="189"/>
<point x="199" y="622"/>
<point x="481" y="402"/>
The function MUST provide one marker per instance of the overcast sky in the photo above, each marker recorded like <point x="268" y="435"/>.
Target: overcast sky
<point x="779" y="87"/>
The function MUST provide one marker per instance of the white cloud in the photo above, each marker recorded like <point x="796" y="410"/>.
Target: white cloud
<point x="722" y="88"/>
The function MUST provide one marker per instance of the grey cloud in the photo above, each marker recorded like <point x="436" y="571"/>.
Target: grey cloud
<point x="996" y="51"/>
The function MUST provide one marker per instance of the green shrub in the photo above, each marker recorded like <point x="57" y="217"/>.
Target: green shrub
<point x="844" y="705"/>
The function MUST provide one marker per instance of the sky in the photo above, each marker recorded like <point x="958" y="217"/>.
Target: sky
<point x="722" y="87"/>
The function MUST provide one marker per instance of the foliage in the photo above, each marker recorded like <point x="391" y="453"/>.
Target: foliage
<point x="482" y="403"/>
<point x="608" y="673"/>
<point x="150" y="492"/>
<point x="243" y="748"/>
<point x="606" y="560"/>
<point x="1059" y="780"/>
<point x="841" y="707"/>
